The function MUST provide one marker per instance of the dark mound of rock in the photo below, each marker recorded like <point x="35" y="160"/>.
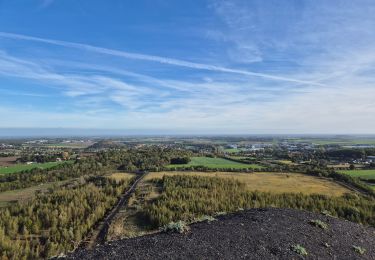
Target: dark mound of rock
<point x="252" y="234"/>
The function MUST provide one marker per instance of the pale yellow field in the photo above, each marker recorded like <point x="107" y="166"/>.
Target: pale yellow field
<point x="271" y="182"/>
<point x="288" y="162"/>
<point x="121" y="176"/>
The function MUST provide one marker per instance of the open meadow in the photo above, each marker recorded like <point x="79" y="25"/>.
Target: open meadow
<point x="24" y="167"/>
<point x="364" y="174"/>
<point x="214" y="163"/>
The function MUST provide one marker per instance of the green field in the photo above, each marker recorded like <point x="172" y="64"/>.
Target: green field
<point x="364" y="174"/>
<point x="216" y="163"/>
<point x="23" y="167"/>
<point x="232" y="150"/>
<point x="339" y="141"/>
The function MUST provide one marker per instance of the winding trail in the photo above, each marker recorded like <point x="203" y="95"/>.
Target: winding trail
<point x="98" y="234"/>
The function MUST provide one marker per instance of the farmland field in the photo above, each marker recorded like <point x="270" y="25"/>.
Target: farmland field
<point x="216" y="163"/>
<point x="364" y="174"/>
<point x="23" y="167"/>
<point x="271" y="182"/>
<point x="78" y="145"/>
<point x="338" y="141"/>
<point x="8" y="161"/>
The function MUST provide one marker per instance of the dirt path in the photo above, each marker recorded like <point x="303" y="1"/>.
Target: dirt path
<point x="98" y="234"/>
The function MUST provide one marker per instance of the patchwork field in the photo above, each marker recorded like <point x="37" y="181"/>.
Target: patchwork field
<point x="216" y="163"/>
<point x="271" y="182"/>
<point x="23" y="167"/>
<point x="364" y="174"/>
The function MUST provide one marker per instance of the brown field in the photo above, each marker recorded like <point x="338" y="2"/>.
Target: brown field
<point x="272" y="182"/>
<point x="8" y="161"/>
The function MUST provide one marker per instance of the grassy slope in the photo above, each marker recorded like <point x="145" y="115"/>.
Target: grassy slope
<point x="215" y="163"/>
<point x="365" y="174"/>
<point x="23" y="167"/>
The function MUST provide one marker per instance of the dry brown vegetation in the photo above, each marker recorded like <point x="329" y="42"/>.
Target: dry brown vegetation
<point x="271" y="181"/>
<point x="120" y="176"/>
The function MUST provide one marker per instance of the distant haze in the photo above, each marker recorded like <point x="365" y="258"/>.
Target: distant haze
<point x="76" y="132"/>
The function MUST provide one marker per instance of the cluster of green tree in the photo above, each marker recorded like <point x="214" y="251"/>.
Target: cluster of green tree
<point x="151" y="158"/>
<point x="346" y="153"/>
<point x="7" y="154"/>
<point x="55" y="222"/>
<point x="337" y="153"/>
<point x="202" y="168"/>
<point x="308" y="155"/>
<point x="188" y="197"/>
<point x="180" y="160"/>
<point x="43" y="157"/>
<point x="244" y="159"/>
<point x="105" y="145"/>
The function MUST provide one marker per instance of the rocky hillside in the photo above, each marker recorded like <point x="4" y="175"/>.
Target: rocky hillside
<point x="252" y="234"/>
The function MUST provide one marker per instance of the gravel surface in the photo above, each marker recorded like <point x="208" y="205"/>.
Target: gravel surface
<point x="252" y="234"/>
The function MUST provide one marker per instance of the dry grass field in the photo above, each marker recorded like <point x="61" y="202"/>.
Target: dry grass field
<point x="118" y="176"/>
<point x="271" y="182"/>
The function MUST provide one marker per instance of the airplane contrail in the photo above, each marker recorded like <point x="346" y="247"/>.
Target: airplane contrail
<point x="159" y="59"/>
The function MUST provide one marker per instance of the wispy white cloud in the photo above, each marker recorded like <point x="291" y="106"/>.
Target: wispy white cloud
<point x="164" y="60"/>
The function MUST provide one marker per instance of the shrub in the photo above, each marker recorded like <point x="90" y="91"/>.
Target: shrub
<point x="327" y="213"/>
<point x="299" y="249"/>
<point x="205" y="218"/>
<point x="318" y="223"/>
<point x="178" y="226"/>
<point x="359" y="250"/>
<point x="180" y="160"/>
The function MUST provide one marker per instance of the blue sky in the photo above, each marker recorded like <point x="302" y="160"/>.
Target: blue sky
<point x="210" y="67"/>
